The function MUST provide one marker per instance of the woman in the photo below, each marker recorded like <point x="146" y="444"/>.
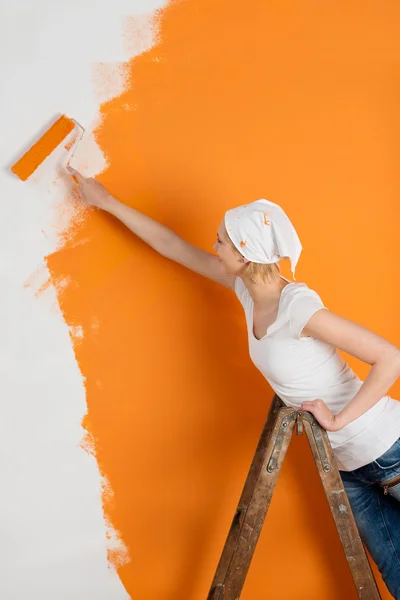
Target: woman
<point x="293" y="342"/>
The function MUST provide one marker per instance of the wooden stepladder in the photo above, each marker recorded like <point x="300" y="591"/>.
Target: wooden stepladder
<point x="256" y="497"/>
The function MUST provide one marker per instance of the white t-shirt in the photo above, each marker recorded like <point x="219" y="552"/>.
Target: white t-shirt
<point x="304" y="368"/>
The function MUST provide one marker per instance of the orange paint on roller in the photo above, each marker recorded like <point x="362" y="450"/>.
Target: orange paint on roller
<point x="30" y="161"/>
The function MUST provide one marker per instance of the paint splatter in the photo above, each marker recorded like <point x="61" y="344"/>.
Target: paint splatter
<point x="110" y="80"/>
<point x="39" y="281"/>
<point x="69" y="145"/>
<point x="140" y="33"/>
<point x="76" y="333"/>
<point x="88" y="444"/>
<point x="266" y="220"/>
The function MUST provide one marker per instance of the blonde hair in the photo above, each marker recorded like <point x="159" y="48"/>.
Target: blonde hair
<point x="258" y="272"/>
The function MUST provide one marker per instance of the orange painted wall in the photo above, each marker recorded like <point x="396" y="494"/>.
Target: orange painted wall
<point x="296" y="102"/>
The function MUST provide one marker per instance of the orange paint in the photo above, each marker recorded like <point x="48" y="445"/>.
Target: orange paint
<point x="30" y="161"/>
<point x="266" y="221"/>
<point x="69" y="145"/>
<point x="273" y="100"/>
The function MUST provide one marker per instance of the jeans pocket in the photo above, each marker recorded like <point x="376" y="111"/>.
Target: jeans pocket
<point x="394" y="491"/>
<point x="391" y="458"/>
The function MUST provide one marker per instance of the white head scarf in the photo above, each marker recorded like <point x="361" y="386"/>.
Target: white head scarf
<point x="263" y="233"/>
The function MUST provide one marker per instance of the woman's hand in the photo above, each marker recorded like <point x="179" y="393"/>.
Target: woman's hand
<point x="91" y="191"/>
<point x="323" y="415"/>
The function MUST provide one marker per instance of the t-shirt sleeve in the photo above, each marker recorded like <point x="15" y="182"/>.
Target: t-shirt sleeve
<point x="301" y="310"/>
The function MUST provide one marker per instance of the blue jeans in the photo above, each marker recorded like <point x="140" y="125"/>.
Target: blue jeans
<point x="378" y="515"/>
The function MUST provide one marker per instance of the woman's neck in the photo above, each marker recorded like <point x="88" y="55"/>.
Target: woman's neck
<point x="265" y="293"/>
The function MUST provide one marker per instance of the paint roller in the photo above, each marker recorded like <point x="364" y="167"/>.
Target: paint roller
<point x="29" y="162"/>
